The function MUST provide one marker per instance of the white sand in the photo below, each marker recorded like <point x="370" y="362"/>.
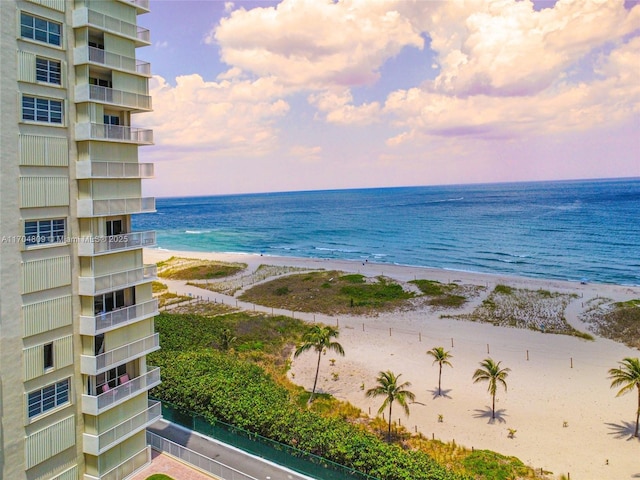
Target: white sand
<point x="543" y="392"/>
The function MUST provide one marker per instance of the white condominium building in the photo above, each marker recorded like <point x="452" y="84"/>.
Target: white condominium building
<point x="76" y="304"/>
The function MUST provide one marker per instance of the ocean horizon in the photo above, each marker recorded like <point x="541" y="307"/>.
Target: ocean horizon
<point x="576" y="230"/>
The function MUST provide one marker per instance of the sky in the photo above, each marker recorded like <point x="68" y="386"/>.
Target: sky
<point x="267" y="96"/>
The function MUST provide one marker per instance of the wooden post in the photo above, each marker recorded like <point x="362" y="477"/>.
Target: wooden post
<point x="419" y="336"/>
<point x="389" y="331"/>
<point x="527" y="355"/>
<point x="487" y="349"/>
<point x="363" y="326"/>
<point x="451" y="342"/>
<point x="338" y="322"/>
<point x="571" y="362"/>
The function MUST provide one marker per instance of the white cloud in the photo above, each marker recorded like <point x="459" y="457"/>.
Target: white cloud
<point x="314" y="44"/>
<point x="223" y="117"/>
<point x="337" y="107"/>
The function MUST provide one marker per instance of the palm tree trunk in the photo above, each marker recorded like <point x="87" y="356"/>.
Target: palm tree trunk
<point x="440" y="380"/>
<point x="638" y="413"/>
<point x="493" y="407"/>
<point x="315" y="382"/>
<point x="389" y="432"/>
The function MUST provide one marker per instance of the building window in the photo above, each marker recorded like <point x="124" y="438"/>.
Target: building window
<point x="40" y="232"/>
<point x="48" y="356"/>
<point x="48" y="71"/>
<point x="41" y="109"/>
<point x="40" y="29"/>
<point x="47" y="398"/>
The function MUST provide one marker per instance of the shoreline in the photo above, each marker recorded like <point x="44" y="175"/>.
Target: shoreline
<point x="561" y="379"/>
<point x="193" y="253"/>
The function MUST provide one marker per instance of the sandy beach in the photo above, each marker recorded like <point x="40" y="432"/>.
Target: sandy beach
<point x="567" y="419"/>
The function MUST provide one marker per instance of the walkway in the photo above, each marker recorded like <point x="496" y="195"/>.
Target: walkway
<point x="249" y="464"/>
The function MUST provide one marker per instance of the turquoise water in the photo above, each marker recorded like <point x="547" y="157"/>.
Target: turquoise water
<point x="569" y="230"/>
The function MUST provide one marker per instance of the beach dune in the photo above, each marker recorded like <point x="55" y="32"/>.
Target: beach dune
<point x="567" y="419"/>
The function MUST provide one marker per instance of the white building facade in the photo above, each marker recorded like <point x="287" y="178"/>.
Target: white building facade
<point x="76" y="304"/>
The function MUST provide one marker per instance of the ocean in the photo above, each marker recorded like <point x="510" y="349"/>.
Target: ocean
<point x="566" y="230"/>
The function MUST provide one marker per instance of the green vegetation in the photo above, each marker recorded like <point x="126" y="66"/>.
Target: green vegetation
<point x="169" y="298"/>
<point x="539" y="310"/>
<point x="442" y="295"/>
<point x="249" y="389"/>
<point x="329" y="292"/>
<point x="491" y="372"/>
<point x="441" y="358"/>
<point x="319" y="338"/>
<point x="627" y="376"/>
<point x="193" y="269"/>
<point x="494" y="466"/>
<point x="157" y="287"/>
<point x="618" y="321"/>
<point x="159" y="476"/>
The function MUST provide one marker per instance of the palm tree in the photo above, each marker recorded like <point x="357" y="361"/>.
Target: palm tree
<point x="389" y="388"/>
<point x="320" y="339"/>
<point x="226" y="339"/>
<point x="442" y="358"/>
<point x="492" y="373"/>
<point x="627" y="376"/>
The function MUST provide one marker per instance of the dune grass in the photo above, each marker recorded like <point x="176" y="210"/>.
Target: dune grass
<point x="540" y="310"/>
<point x="618" y="321"/>
<point x="176" y="268"/>
<point x="330" y="292"/>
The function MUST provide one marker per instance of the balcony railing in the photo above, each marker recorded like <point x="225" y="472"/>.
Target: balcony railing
<point x="96" y="404"/>
<point x="89" y="246"/>
<point x="103" y="322"/>
<point x="96" y="93"/>
<point x="97" y="444"/>
<point x="93" y="169"/>
<point x="115" y="133"/>
<point x="92" y="286"/>
<point x="94" y="365"/>
<point x="82" y="55"/>
<point x="126" y="468"/>
<point x="143" y="5"/>
<point x="115" y="206"/>
<point x="85" y="16"/>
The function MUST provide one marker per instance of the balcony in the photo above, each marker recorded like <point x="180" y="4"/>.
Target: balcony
<point x="93" y="169"/>
<point x="95" y="405"/>
<point x="113" y="133"/>
<point x="103" y="322"/>
<point x="94" y="365"/>
<point x="83" y="17"/>
<point x="90" y="246"/>
<point x="97" y="444"/>
<point x="98" y="56"/>
<point x="115" y="206"/>
<point x="141" y="5"/>
<point x="127" y="468"/>
<point x="120" y="98"/>
<point x="91" y="286"/>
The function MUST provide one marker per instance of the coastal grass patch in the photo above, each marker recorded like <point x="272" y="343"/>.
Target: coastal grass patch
<point x="177" y="268"/>
<point x="230" y="286"/>
<point x="159" y="476"/>
<point x="157" y="287"/>
<point x="329" y="292"/>
<point x="539" y="310"/>
<point x="170" y="298"/>
<point x="618" y="321"/>
<point x="446" y="295"/>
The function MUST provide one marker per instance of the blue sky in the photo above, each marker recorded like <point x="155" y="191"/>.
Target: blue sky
<point x="313" y="94"/>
